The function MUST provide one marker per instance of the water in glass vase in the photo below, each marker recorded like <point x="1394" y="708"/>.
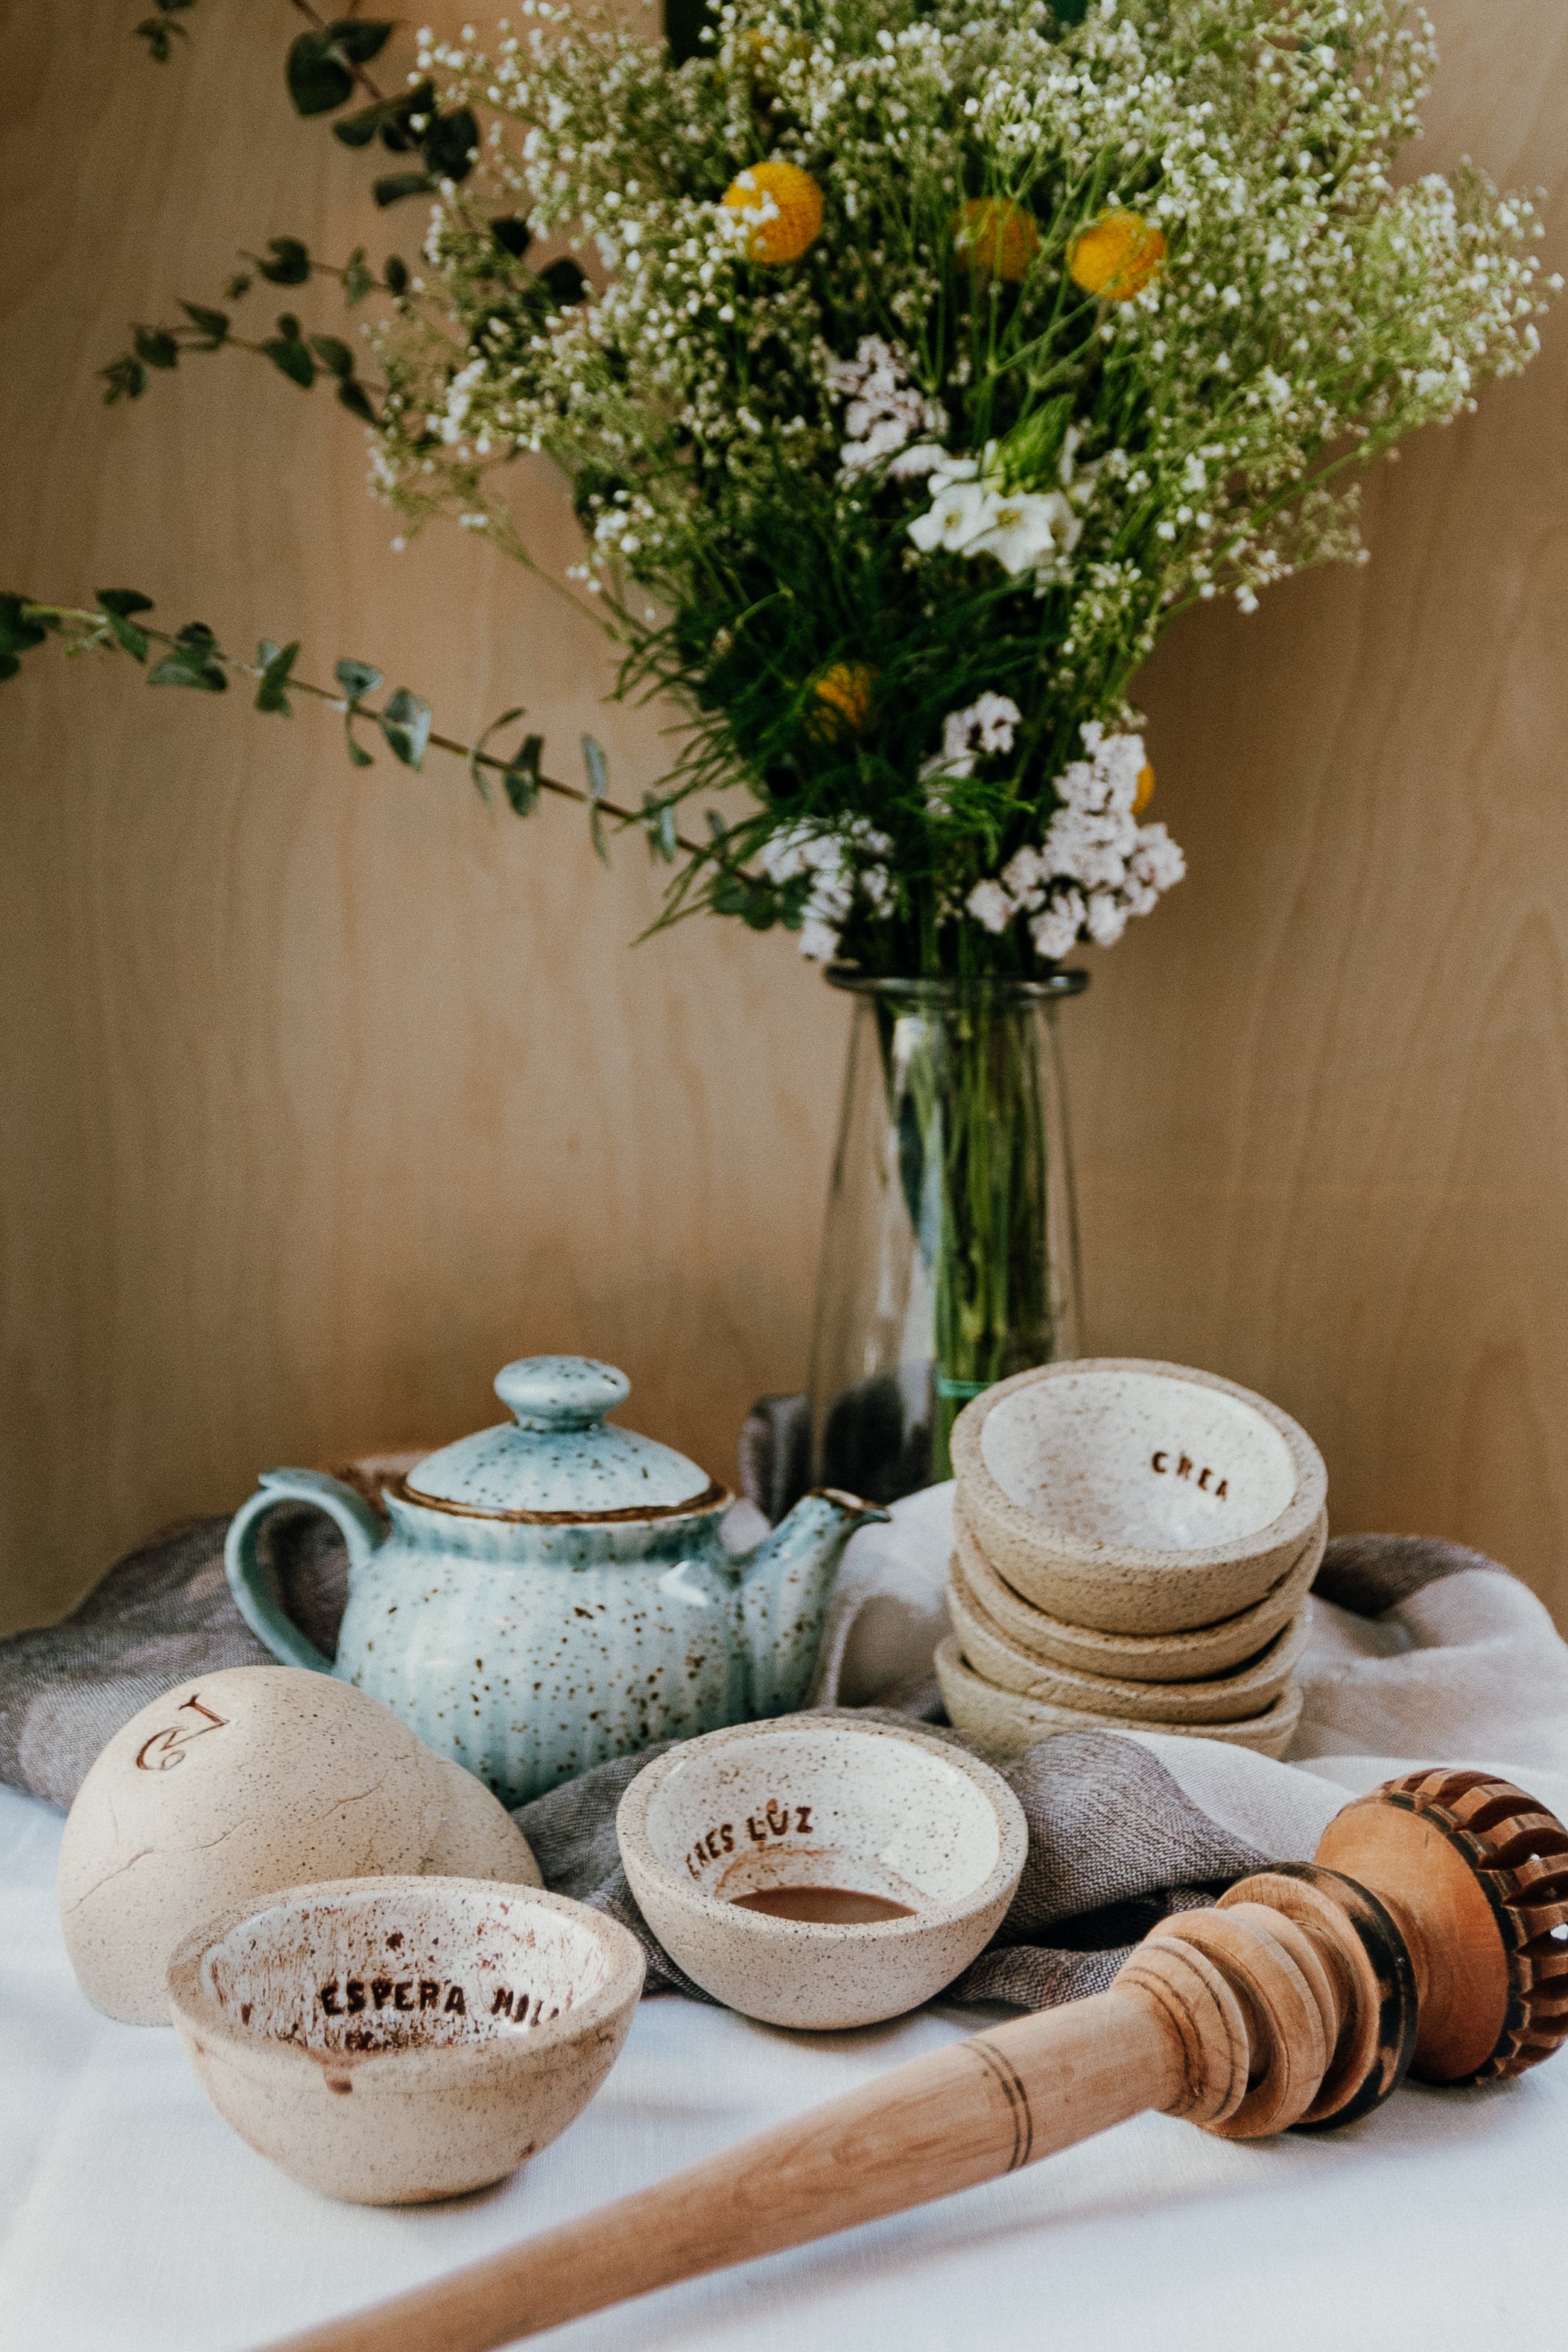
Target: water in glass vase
<point x="950" y="1257"/>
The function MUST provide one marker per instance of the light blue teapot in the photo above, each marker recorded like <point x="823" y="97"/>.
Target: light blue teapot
<point x="555" y="1591"/>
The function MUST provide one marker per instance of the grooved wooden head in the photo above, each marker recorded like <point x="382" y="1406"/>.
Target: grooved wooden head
<point x="1475" y="1874"/>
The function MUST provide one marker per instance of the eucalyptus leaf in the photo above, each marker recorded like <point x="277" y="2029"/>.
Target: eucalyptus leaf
<point x="450" y="144"/>
<point x="293" y="357"/>
<point x="359" y="39"/>
<point x="276" y="662"/>
<point x="512" y="235"/>
<point x="316" y="75"/>
<point x="395" y="185"/>
<point x="214" y="324"/>
<point x="357" y="753"/>
<point x="19" y="632"/>
<point x="565" y="280"/>
<point x="238" y="285"/>
<point x="405" y="723"/>
<point x="156" y="346"/>
<point x="521" y="779"/>
<point x="126" y="633"/>
<point x="357" y="279"/>
<point x="593" y="760"/>
<point x="357" y="679"/>
<point x="334" y="355"/>
<point x="476" y="754"/>
<point x="355" y="397"/>
<point x="395" y="272"/>
<point x="193" y="661"/>
<point x="160" y="37"/>
<point x="358" y="130"/>
<point x="126" y="378"/>
<point x="290" y="262"/>
<point x="659" y="825"/>
<point x="125" y="600"/>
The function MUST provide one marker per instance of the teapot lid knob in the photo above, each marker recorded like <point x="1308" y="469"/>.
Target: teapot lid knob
<point x="561" y="1391"/>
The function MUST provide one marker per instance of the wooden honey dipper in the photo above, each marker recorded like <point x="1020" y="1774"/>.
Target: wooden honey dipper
<point x="1430" y="1936"/>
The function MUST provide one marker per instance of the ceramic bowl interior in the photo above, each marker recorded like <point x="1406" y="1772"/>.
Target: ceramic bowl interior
<point x="379" y="1966"/>
<point x="828" y="1809"/>
<point x="1133" y="1460"/>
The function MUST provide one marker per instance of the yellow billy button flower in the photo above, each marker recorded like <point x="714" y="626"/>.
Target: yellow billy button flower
<point x="1117" y="255"/>
<point x="996" y="239"/>
<point x="795" y="225"/>
<point x="1145" y="791"/>
<point x="844" y="694"/>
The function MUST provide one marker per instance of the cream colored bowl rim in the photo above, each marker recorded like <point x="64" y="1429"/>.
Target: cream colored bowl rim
<point x="631" y="1817"/>
<point x="1284" y="1709"/>
<point x="1290" y="1527"/>
<point x="406" y="2070"/>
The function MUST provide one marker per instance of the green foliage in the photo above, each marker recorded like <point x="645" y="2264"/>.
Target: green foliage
<point x="160" y="33"/>
<point x="521" y="778"/>
<point x="598" y="769"/>
<point x="192" y="661"/>
<point x="19" y="632"/>
<point x="405" y="723"/>
<point x="321" y="68"/>
<point x="274" y="664"/>
<point x="289" y="352"/>
<point x="288" y="262"/>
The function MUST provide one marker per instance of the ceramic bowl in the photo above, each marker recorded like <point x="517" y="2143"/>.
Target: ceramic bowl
<point x="1226" y="1698"/>
<point x="808" y="1812"/>
<point x="1005" y="1722"/>
<point x="392" y="2041"/>
<point x="1196" y="1656"/>
<point x="1135" y="1497"/>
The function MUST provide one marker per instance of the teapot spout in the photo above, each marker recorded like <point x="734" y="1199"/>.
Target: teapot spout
<point x="786" y="1585"/>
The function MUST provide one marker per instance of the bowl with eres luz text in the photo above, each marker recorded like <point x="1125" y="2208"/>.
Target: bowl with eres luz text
<point x="1135" y="1497"/>
<point x="393" y="2040"/>
<point x="821" y="1873"/>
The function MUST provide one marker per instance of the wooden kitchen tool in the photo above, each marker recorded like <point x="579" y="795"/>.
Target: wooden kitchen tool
<point x="1430" y="1936"/>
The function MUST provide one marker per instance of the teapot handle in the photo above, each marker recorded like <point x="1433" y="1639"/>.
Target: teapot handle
<point x="362" y="1532"/>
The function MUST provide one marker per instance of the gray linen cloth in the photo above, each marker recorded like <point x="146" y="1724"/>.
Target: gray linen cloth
<point x="1115" y="1841"/>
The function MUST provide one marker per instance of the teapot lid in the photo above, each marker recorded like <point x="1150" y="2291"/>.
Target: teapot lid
<point x="556" y="1458"/>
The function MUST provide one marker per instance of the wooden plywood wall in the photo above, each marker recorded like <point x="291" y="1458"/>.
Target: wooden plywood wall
<point x="324" y="1093"/>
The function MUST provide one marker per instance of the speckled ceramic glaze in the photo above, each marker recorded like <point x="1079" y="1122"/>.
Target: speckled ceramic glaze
<point x="1135" y="1497"/>
<point x="1225" y="1698"/>
<point x="555" y="1591"/>
<point x="397" y="2040"/>
<point x="823" y="1802"/>
<point x="1005" y="1722"/>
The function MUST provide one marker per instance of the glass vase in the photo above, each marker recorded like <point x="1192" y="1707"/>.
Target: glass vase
<point x="951" y="1255"/>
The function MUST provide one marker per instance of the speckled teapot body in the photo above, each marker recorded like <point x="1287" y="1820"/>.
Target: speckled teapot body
<point x="555" y="1590"/>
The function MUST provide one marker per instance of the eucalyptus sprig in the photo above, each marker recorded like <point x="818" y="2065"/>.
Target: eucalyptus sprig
<point x="192" y="656"/>
<point x="161" y="31"/>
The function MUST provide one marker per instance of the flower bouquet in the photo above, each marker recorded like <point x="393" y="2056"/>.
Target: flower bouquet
<point x="913" y="369"/>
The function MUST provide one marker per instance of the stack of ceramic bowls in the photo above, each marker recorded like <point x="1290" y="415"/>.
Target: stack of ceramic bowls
<point x="1135" y="1543"/>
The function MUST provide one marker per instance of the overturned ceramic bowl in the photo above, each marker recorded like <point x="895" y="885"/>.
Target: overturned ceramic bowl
<point x="392" y="2041"/>
<point x="1246" y="1690"/>
<point x="1135" y="1497"/>
<point x="1194" y="1656"/>
<point x="1005" y="1722"/>
<point x="821" y="1873"/>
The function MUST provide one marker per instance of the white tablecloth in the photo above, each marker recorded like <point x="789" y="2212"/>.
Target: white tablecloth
<point x="132" y="2220"/>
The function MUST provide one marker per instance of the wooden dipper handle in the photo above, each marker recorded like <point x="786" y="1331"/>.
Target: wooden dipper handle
<point x="1434" y="1921"/>
<point x="1169" y="2033"/>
